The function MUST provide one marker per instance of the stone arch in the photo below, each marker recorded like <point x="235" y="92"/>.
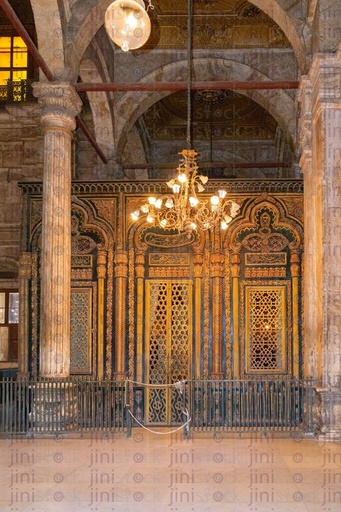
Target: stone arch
<point x="9" y="265"/>
<point x="99" y="104"/>
<point x="278" y="103"/>
<point x="87" y="23"/>
<point x="49" y="30"/>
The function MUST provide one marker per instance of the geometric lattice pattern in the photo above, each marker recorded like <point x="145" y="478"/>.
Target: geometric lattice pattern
<point x="265" y="329"/>
<point x="80" y="357"/>
<point x="169" y="353"/>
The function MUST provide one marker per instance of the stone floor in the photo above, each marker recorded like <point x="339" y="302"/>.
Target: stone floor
<point x="156" y="473"/>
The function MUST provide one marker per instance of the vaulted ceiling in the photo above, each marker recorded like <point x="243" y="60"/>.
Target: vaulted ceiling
<point x="247" y="132"/>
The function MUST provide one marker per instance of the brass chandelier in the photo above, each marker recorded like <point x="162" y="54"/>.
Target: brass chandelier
<point x="182" y="210"/>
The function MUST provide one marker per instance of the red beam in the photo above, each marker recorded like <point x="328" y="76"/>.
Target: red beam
<point x="182" y="86"/>
<point x="210" y="165"/>
<point x="18" y="26"/>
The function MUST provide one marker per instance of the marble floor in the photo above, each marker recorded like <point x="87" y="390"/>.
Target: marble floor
<point x="165" y="472"/>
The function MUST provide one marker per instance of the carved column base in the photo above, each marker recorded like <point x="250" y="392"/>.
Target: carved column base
<point x="53" y="407"/>
<point x="331" y="415"/>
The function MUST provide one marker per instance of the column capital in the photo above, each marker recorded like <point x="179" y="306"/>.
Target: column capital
<point x="60" y="104"/>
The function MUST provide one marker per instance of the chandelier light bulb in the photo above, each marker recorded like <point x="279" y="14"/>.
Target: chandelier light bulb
<point x="150" y="219"/>
<point x="182" y="177"/>
<point x="151" y="200"/>
<point x="200" y="187"/>
<point x="193" y="201"/>
<point x="223" y="225"/>
<point x="145" y="208"/>
<point x="163" y="223"/>
<point x="158" y="203"/>
<point x="222" y="194"/>
<point x="135" y="215"/>
<point x="176" y="188"/>
<point x="127" y="24"/>
<point x="215" y="200"/>
<point x="169" y="203"/>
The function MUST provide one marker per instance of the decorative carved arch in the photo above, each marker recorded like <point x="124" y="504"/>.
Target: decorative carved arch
<point x="253" y="222"/>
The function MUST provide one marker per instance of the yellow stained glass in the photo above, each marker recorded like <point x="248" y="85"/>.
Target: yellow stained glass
<point x="5" y="52"/>
<point x="19" y="43"/>
<point x="4" y="76"/>
<point x="19" y="53"/>
<point x="19" y="75"/>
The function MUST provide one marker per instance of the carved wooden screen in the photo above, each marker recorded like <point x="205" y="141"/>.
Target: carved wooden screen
<point x="265" y="322"/>
<point x="81" y="331"/>
<point x="168" y="348"/>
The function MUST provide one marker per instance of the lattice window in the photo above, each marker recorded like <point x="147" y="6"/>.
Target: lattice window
<point x="168" y="332"/>
<point x="265" y="329"/>
<point x="81" y="311"/>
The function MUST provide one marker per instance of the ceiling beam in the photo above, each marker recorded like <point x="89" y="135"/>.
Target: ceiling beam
<point x="182" y="86"/>
<point x="38" y="59"/>
<point x="210" y="165"/>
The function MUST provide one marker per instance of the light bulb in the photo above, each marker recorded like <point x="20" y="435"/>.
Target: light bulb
<point x="222" y="193"/>
<point x="193" y="201"/>
<point x="176" y="188"/>
<point x="151" y="200"/>
<point x="125" y="46"/>
<point x="215" y="200"/>
<point x="150" y="219"/>
<point x="200" y="187"/>
<point x="135" y="215"/>
<point x="182" y="177"/>
<point x="158" y="203"/>
<point x="223" y="225"/>
<point x="163" y="223"/>
<point x="193" y="225"/>
<point x="127" y="24"/>
<point x="169" y="203"/>
<point x="145" y="208"/>
<point x="203" y="179"/>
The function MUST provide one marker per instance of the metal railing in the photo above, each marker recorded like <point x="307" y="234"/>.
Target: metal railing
<point x="83" y="406"/>
<point x="62" y="406"/>
<point x="249" y="405"/>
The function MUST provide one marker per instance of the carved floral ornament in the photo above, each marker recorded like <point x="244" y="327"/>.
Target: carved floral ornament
<point x="265" y="228"/>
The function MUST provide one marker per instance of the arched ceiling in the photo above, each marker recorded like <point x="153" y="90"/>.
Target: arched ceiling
<point x="264" y="40"/>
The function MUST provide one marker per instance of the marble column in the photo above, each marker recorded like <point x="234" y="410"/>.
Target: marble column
<point x="60" y="104"/>
<point x="321" y="151"/>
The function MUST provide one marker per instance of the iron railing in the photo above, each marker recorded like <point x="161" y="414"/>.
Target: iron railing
<point x="61" y="406"/>
<point x="250" y="405"/>
<point x="85" y="406"/>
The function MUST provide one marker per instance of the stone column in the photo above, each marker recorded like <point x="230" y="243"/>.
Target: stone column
<point x="60" y="104"/>
<point x="25" y="274"/>
<point x="323" y="226"/>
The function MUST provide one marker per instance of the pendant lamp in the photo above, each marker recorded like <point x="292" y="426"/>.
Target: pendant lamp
<point x="127" y="24"/>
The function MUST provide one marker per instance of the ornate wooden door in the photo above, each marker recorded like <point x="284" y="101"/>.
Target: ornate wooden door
<point x="168" y="348"/>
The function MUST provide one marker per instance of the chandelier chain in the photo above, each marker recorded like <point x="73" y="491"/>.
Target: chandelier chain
<point x="189" y="73"/>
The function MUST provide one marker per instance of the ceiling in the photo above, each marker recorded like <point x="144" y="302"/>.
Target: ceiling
<point x="236" y="133"/>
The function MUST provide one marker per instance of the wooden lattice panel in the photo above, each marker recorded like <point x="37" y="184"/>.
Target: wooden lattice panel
<point x="265" y="329"/>
<point x="169" y="335"/>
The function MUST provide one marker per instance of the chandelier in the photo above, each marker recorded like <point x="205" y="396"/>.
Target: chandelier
<point x="182" y="210"/>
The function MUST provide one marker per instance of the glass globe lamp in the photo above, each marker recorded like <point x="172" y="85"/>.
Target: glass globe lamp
<point x="127" y="24"/>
